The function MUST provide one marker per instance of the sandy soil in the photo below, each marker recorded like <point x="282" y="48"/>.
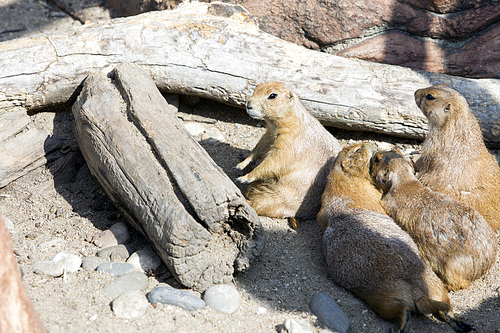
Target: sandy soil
<point x="54" y="208"/>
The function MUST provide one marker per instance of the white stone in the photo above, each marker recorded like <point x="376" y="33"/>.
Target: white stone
<point x="223" y="298"/>
<point x="296" y="326"/>
<point x="195" y="128"/>
<point x="213" y="134"/>
<point x="69" y="261"/>
<point x="8" y="224"/>
<point x="130" y="305"/>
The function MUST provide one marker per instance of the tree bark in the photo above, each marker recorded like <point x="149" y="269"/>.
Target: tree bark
<point x="162" y="180"/>
<point x="190" y="51"/>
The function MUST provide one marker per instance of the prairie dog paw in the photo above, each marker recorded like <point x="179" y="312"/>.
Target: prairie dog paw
<point x="244" y="179"/>
<point x="242" y="165"/>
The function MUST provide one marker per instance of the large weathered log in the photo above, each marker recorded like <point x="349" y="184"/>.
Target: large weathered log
<point x="189" y="50"/>
<point x="162" y="180"/>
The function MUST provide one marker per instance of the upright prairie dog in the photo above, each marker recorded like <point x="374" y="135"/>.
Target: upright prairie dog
<point x="370" y="255"/>
<point x="291" y="159"/>
<point x="17" y="314"/>
<point x="455" y="160"/>
<point x="453" y="238"/>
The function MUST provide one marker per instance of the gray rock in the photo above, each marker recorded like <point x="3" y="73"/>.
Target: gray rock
<point x="129" y="305"/>
<point x="145" y="259"/>
<point x="92" y="262"/>
<point x="117" y="234"/>
<point x="169" y="295"/>
<point x="115" y="268"/>
<point x="49" y="268"/>
<point x="70" y="262"/>
<point x="129" y="282"/>
<point x="223" y="298"/>
<point x="296" y="326"/>
<point x="121" y="251"/>
<point x="329" y="313"/>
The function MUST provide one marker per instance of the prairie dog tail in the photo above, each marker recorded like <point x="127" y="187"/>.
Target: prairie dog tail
<point x="429" y="306"/>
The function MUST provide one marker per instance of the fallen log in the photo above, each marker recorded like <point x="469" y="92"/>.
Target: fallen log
<point x="162" y="180"/>
<point x="191" y="51"/>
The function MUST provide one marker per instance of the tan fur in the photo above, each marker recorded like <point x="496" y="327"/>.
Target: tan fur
<point x="17" y="314"/>
<point x="370" y="255"/>
<point x="348" y="185"/>
<point x="291" y="159"/>
<point x="453" y="238"/>
<point x="455" y="160"/>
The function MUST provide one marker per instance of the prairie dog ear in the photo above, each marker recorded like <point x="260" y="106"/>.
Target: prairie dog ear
<point x="289" y="95"/>
<point x="448" y="107"/>
<point x="345" y="165"/>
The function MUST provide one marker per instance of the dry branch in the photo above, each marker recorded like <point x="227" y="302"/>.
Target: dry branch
<point x="163" y="181"/>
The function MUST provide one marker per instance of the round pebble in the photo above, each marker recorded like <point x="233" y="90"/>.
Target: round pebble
<point x="121" y="251"/>
<point x="329" y="313"/>
<point x="129" y="305"/>
<point x="125" y="283"/>
<point x="180" y="298"/>
<point x="49" y="268"/>
<point x="296" y="326"/>
<point x="91" y="263"/>
<point x="223" y="298"/>
<point x="145" y="259"/>
<point x="70" y="262"/>
<point x="117" y="234"/>
<point x="115" y="268"/>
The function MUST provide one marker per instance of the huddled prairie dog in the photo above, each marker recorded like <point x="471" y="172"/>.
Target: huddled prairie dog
<point x="349" y="184"/>
<point x="455" y="160"/>
<point x="370" y="255"/>
<point x="291" y="160"/>
<point x="453" y="238"/>
<point x="17" y="314"/>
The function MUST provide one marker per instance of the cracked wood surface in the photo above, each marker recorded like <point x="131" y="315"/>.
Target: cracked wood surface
<point x="163" y="181"/>
<point x="191" y="50"/>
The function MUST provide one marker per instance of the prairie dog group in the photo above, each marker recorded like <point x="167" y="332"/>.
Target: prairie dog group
<point x="453" y="238"/>
<point x="290" y="162"/>
<point x="370" y="255"/>
<point x="455" y="160"/>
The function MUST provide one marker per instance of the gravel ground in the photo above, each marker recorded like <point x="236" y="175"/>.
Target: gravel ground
<point x="56" y="208"/>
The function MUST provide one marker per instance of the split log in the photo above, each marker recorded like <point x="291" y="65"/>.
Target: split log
<point x="162" y="180"/>
<point x="191" y="51"/>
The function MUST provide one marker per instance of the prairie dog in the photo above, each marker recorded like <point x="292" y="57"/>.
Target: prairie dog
<point x="17" y="313"/>
<point x="370" y="255"/>
<point x="349" y="184"/>
<point x="455" y="160"/>
<point x="290" y="162"/>
<point x="453" y="238"/>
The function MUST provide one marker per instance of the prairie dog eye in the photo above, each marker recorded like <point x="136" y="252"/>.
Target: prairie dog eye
<point x="430" y="97"/>
<point x="272" y="96"/>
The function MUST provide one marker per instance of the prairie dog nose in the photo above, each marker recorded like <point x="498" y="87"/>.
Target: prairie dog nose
<point x="249" y="105"/>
